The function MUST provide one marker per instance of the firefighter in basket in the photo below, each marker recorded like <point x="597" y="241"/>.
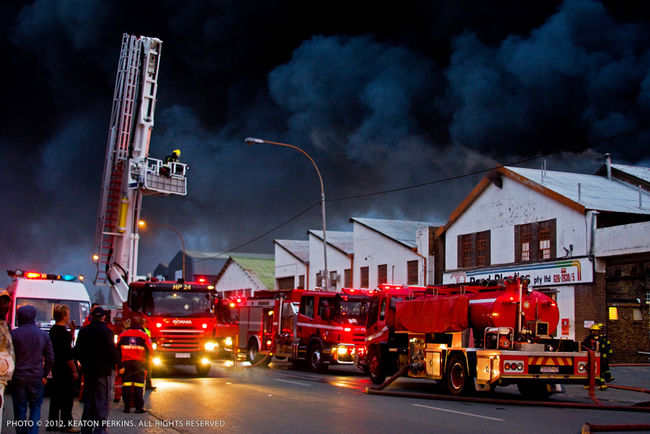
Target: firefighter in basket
<point x="598" y="341"/>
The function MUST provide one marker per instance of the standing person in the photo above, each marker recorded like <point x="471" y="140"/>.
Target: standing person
<point x="34" y="360"/>
<point x="134" y="351"/>
<point x="7" y="356"/>
<point x="64" y="373"/>
<point x="96" y="352"/>
<point x="90" y="315"/>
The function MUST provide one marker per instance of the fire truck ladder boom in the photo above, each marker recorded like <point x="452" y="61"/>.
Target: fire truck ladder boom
<point x="129" y="173"/>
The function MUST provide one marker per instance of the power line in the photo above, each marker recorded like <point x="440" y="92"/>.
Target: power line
<point x="423" y="184"/>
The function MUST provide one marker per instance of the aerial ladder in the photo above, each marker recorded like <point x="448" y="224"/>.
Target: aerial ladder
<point x="129" y="172"/>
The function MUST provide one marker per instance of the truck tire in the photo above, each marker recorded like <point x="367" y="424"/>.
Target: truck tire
<point x="534" y="391"/>
<point x="202" y="370"/>
<point x="315" y="358"/>
<point x="376" y="370"/>
<point x="456" y="376"/>
<point x="252" y="352"/>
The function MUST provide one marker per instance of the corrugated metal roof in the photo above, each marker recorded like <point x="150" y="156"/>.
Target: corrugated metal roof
<point x="636" y="171"/>
<point x="261" y="265"/>
<point x="596" y="192"/>
<point x="341" y="240"/>
<point x="403" y="231"/>
<point x="298" y="248"/>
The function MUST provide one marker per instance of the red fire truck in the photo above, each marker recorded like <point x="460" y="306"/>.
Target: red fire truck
<point x="189" y="324"/>
<point x="312" y="328"/>
<point x="473" y="337"/>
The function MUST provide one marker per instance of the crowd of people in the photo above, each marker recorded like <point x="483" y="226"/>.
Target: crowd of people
<point x="28" y="355"/>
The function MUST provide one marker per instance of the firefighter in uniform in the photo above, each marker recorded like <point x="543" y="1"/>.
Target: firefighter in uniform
<point x="134" y="350"/>
<point x="598" y="341"/>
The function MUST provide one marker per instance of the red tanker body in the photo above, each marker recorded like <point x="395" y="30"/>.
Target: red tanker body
<point x="473" y="336"/>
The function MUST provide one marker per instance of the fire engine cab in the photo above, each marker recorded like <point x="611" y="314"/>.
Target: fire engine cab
<point x="182" y="318"/>
<point x="312" y="328"/>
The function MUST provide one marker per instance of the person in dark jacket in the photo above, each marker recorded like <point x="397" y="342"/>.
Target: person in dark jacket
<point x="134" y="351"/>
<point x="64" y="373"/>
<point x="34" y="360"/>
<point x="96" y="352"/>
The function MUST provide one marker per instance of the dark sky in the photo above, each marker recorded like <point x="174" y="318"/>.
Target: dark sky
<point x="380" y="95"/>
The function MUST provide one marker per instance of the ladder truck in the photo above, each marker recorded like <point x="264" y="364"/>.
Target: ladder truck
<point x="129" y="175"/>
<point x="129" y="172"/>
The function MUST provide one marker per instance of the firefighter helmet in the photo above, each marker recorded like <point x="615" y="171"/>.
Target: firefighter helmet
<point x="177" y="152"/>
<point x="595" y="328"/>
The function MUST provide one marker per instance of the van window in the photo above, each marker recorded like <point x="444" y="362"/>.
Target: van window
<point x="382" y="311"/>
<point x="307" y="306"/>
<point x="79" y="310"/>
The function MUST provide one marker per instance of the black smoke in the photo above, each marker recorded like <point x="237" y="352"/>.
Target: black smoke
<point x="380" y="96"/>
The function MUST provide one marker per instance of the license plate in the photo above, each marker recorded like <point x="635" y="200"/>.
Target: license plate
<point x="182" y="355"/>
<point x="549" y="369"/>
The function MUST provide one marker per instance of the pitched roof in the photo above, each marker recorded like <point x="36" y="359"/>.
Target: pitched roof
<point x="257" y="265"/>
<point x="298" y="248"/>
<point x="205" y="262"/>
<point x="577" y="191"/>
<point x="343" y="241"/>
<point x="593" y="192"/>
<point x="642" y="173"/>
<point x="402" y="231"/>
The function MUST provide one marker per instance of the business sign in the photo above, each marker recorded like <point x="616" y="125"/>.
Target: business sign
<point x="562" y="272"/>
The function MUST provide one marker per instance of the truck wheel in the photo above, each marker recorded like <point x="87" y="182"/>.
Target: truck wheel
<point x="315" y="358"/>
<point x="202" y="370"/>
<point x="376" y="370"/>
<point x="534" y="391"/>
<point x="252" y="352"/>
<point x="456" y="377"/>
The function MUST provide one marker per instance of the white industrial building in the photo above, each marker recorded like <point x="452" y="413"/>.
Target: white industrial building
<point x="392" y="251"/>
<point x="340" y="253"/>
<point x="291" y="264"/>
<point x="544" y="225"/>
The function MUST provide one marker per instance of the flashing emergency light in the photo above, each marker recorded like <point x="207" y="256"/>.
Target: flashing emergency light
<point x="202" y="280"/>
<point x="43" y="276"/>
<point x="204" y="325"/>
<point x="95" y="257"/>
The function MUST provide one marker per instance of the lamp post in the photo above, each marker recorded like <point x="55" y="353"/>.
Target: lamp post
<point x="143" y="224"/>
<point x="253" y="141"/>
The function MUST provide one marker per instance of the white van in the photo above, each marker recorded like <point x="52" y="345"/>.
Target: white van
<point x="44" y="292"/>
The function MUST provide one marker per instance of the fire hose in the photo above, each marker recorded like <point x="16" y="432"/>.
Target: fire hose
<point x="597" y="405"/>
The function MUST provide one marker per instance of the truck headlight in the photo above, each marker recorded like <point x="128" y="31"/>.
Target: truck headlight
<point x="154" y="345"/>
<point x="156" y="361"/>
<point x="228" y="341"/>
<point x="342" y="351"/>
<point x="210" y="346"/>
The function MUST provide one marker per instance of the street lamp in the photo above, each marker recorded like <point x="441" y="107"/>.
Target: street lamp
<point x="143" y="224"/>
<point x="253" y="141"/>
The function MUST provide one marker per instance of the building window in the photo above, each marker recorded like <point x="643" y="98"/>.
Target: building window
<point x="365" y="273"/>
<point x="412" y="273"/>
<point x="301" y="281"/>
<point x="535" y="241"/>
<point x="474" y="249"/>
<point x="382" y="274"/>
<point x="334" y="278"/>
<point x="637" y="315"/>
<point x="347" y="278"/>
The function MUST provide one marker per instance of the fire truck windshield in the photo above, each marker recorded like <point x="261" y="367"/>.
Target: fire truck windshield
<point x="352" y="311"/>
<point x="171" y="303"/>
